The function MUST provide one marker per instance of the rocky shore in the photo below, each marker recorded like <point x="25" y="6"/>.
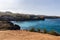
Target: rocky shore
<point x="7" y="25"/>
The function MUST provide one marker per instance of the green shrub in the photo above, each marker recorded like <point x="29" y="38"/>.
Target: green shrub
<point x="38" y="30"/>
<point x="52" y="32"/>
<point x="32" y="30"/>
<point x="44" y="30"/>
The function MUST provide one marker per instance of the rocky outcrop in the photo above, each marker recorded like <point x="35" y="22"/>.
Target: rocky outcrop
<point x="6" y="25"/>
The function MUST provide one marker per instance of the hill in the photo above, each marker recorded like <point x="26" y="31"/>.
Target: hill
<point x="9" y="16"/>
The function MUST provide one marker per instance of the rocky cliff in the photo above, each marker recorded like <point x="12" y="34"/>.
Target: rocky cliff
<point x="6" y="25"/>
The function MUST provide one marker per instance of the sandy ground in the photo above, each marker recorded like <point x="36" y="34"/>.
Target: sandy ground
<point x="25" y="35"/>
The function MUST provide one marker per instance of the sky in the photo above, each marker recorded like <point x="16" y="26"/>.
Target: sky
<point x="38" y="7"/>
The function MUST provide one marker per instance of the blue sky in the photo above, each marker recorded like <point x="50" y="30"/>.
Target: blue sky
<point x="40" y="7"/>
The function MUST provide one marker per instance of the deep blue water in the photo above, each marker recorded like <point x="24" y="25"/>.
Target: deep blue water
<point x="49" y="24"/>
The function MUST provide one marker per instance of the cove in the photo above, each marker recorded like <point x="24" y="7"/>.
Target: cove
<point x="48" y="24"/>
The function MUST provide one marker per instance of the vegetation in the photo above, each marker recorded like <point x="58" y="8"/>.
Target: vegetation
<point x="52" y="32"/>
<point x="44" y="30"/>
<point x="32" y="30"/>
<point x="38" y="30"/>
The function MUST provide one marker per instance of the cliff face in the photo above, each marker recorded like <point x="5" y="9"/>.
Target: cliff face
<point x="6" y="25"/>
<point x="19" y="17"/>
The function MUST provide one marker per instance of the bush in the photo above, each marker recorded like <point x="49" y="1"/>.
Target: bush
<point x="38" y="30"/>
<point x="32" y="30"/>
<point x="44" y="30"/>
<point x="52" y="32"/>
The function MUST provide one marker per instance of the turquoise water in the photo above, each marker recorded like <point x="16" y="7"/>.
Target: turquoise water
<point x="49" y="24"/>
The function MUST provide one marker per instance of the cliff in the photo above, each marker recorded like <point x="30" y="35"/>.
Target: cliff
<point x="8" y="16"/>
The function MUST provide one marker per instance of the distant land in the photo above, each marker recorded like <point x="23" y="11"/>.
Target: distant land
<point x="9" y="16"/>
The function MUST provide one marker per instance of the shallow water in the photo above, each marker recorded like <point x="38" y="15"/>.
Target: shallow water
<point x="49" y="24"/>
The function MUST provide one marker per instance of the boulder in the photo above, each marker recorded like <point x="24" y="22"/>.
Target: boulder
<point x="6" y="25"/>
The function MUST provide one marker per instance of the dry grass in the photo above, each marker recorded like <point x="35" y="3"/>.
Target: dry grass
<point x="25" y="35"/>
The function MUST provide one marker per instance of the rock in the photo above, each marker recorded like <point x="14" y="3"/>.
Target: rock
<point x="6" y="25"/>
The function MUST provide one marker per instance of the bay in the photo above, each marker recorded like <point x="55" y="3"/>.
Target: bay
<point x="48" y="24"/>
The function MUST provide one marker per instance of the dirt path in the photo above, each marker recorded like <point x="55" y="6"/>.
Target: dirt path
<point x="25" y="35"/>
